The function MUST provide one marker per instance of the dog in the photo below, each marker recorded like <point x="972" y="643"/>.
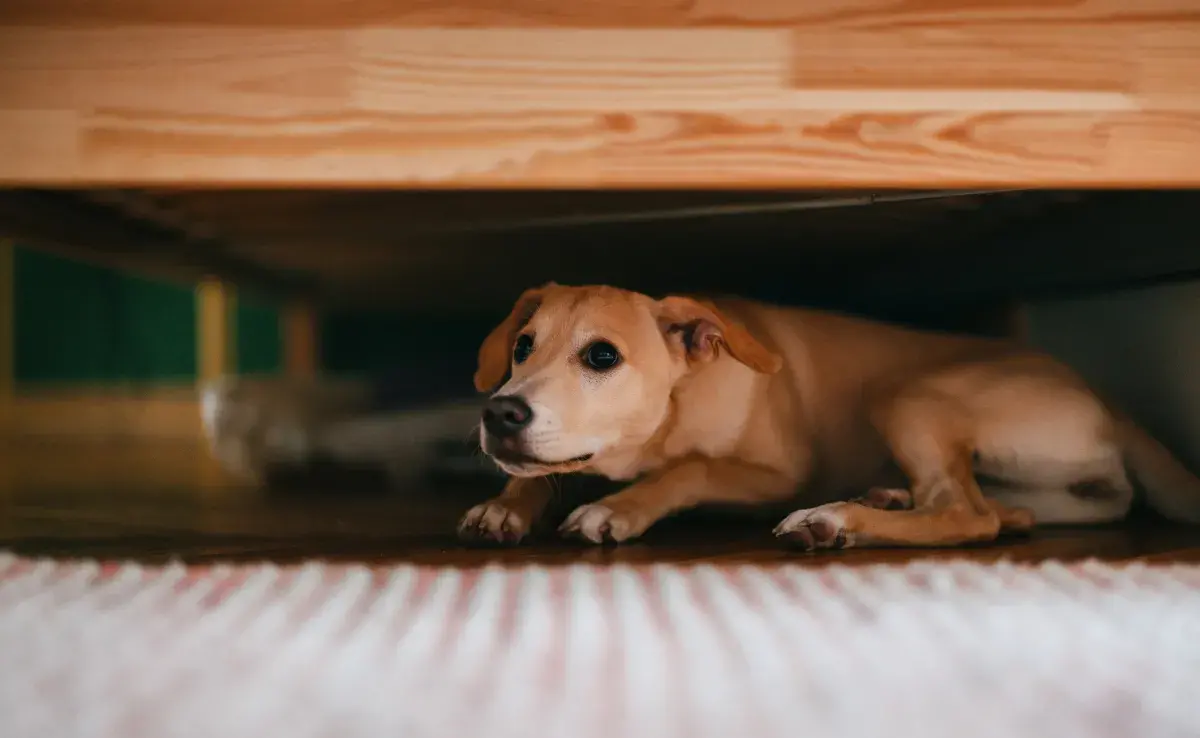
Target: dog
<point x="870" y="434"/>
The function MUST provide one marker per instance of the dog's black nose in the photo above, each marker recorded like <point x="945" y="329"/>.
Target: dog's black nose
<point x="506" y="415"/>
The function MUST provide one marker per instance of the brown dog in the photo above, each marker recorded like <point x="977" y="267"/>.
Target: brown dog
<point x="733" y="402"/>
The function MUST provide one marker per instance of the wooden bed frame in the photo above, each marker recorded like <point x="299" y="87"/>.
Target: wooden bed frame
<point x="600" y="93"/>
<point x="153" y="119"/>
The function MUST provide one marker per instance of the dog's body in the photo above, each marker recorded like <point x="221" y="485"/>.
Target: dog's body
<point x="872" y="434"/>
<point x="759" y="405"/>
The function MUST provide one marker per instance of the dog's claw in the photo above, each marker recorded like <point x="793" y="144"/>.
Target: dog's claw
<point x="493" y="522"/>
<point x="598" y="524"/>
<point x="802" y="536"/>
<point x="817" y="527"/>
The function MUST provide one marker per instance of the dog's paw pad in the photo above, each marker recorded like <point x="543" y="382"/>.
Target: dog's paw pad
<point x="597" y="523"/>
<point x="817" y="527"/>
<point x="493" y="522"/>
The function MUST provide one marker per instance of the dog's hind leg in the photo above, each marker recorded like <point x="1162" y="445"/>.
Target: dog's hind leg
<point x="1013" y="515"/>
<point x="930" y="437"/>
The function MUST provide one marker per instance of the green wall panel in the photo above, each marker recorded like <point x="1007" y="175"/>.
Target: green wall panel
<point x="259" y="341"/>
<point x="79" y="323"/>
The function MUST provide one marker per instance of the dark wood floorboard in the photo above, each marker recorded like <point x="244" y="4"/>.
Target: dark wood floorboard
<point x="158" y="503"/>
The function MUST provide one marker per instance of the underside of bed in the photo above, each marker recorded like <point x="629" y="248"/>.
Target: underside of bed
<point x="467" y="254"/>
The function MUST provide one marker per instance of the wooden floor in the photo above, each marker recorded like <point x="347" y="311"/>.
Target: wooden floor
<point x="156" y="503"/>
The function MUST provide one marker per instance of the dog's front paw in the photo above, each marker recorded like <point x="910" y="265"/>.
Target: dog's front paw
<point x="494" y="522"/>
<point x="818" y="527"/>
<point x="599" y="523"/>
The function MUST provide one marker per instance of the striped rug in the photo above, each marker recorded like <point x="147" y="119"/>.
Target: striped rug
<point x="929" y="650"/>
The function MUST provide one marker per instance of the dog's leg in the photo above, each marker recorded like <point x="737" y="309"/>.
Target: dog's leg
<point x="929" y="435"/>
<point x="686" y="484"/>
<point x="1012" y="518"/>
<point x="849" y="524"/>
<point x="886" y="498"/>
<point x="511" y="515"/>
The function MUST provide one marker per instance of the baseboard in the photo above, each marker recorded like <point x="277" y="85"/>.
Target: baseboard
<point x="157" y="413"/>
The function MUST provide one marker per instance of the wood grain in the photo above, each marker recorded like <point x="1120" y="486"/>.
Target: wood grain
<point x="483" y="93"/>
<point x="584" y="13"/>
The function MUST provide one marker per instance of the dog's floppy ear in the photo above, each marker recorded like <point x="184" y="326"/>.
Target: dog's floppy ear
<point x="496" y="350"/>
<point x="703" y="330"/>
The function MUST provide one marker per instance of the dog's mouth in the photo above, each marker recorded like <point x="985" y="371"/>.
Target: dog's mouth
<point x="507" y="457"/>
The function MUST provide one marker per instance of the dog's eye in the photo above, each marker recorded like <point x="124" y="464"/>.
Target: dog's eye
<point x="523" y="348"/>
<point x="602" y="356"/>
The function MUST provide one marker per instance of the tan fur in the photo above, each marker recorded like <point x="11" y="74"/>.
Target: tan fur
<point x="494" y="353"/>
<point x="769" y="406"/>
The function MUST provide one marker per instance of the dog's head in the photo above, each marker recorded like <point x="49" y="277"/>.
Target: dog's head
<point x="592" y="370"/>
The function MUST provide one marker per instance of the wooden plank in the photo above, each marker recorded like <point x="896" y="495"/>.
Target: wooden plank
<point x="301" y="340"/>
<point x="216" y="343"/>
<point x="581" y="13"/>
<point x="539" y="94"/>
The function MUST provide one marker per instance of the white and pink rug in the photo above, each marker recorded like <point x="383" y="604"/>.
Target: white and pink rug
<point x="927" y="650"/>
